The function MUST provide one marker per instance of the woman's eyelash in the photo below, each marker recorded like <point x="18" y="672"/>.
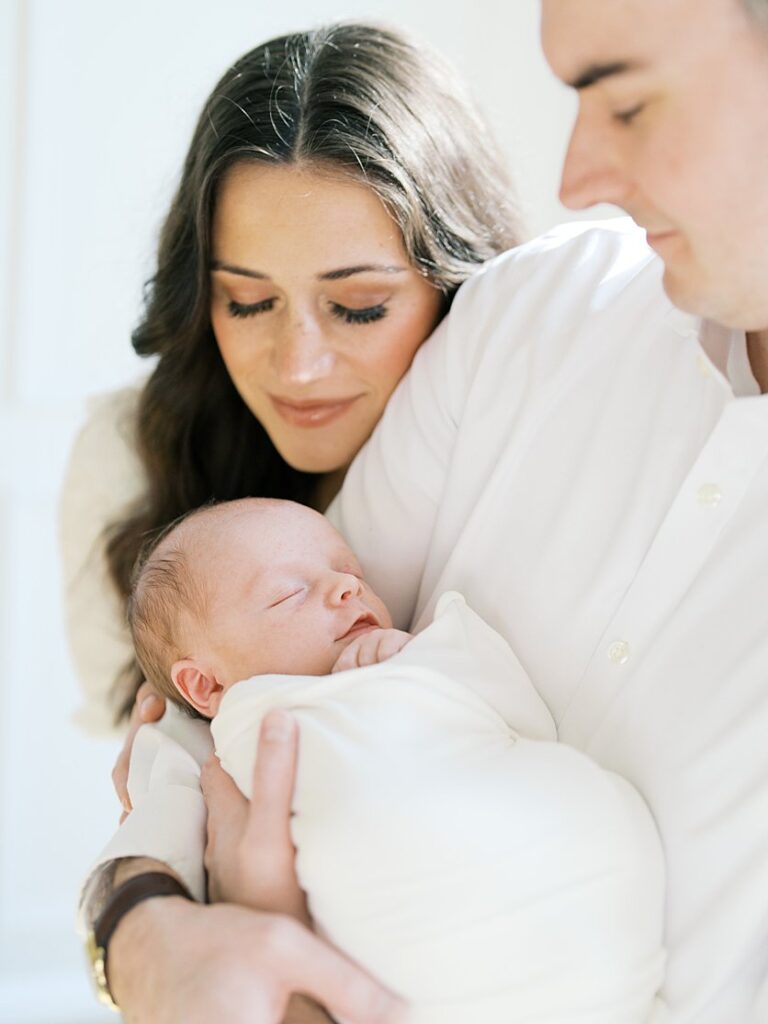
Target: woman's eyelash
<point x="238" y="309"/>
<point x="359" y="316"/>
<point x="351" y="316"/>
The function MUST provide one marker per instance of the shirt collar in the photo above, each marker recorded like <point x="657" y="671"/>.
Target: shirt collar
<point x="727" y="349"/>
<point x="724" y="348"/>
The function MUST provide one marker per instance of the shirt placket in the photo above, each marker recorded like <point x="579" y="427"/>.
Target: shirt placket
<point x="709" y="497"/>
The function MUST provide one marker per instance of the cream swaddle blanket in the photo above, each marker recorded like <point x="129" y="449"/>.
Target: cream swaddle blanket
<point x="485" y="872"/>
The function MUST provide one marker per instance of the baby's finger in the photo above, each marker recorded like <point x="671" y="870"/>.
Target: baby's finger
<point x="392" y="642"/>
<point x="369" y="650"/>
<point x="347" y="658"/>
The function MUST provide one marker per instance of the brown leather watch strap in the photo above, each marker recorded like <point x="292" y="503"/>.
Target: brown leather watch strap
<point x="125" y="898"/>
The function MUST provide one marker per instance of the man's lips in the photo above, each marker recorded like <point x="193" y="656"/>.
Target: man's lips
<point x="312" y="413"/>
<point x="656" y="238"/>
<point x="361" y="624"/>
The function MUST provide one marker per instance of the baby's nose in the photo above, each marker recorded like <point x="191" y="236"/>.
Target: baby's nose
<point x="344" y="586"/>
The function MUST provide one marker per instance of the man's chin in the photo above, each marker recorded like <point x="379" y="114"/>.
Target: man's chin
<point x="691" y="294"/>
<point x="686" y="293"/>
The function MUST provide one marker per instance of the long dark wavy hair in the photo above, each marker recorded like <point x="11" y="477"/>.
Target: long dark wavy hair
<point x="352" y="97"/>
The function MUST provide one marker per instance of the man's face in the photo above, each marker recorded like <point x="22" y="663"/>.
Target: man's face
<point x="673" y="127"/>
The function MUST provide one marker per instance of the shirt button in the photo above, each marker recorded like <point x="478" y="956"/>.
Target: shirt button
<point x="705" y="367"/>
<point x="618" y="652"/>
<point x="709" y="495"/>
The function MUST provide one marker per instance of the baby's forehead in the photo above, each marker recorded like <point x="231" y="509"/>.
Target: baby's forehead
<point x="259" y="527"/>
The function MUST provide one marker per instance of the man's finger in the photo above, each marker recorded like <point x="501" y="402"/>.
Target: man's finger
<point x="122" y="765"/>
<point x="319" y="971"/>
<point x="150" y="705"/>
<point x="219" y="788"/>
<point x="274" y="776"/>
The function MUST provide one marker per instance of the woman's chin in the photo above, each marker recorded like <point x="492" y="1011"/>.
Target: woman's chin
<point x="315" y="461"/>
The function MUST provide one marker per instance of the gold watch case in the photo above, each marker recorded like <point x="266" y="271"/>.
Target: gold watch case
<point x="96" y="957"/>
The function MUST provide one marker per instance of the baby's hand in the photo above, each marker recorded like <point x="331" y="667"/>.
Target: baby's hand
<point x="370" y="648"/>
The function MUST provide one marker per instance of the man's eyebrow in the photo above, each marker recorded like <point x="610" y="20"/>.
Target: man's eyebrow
<point x="598" y="72"/>
<point x="329" y="275"/>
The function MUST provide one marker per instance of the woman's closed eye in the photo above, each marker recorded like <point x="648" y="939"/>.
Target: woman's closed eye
<point x="241" y="309"/>
<point x="349" y="314"/>
<point x="362" y="315"/>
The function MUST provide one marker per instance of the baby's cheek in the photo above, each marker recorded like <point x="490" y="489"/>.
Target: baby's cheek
<point x="384" y="617"/>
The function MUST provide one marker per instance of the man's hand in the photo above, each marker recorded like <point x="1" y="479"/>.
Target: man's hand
<point x="370" y="648"/>
<point x="176" y="962"/>
<point x="250" y="853"/>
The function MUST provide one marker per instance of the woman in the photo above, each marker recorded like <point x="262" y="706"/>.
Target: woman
<point x="337" y="190"/>
<point x="343" y="145"/>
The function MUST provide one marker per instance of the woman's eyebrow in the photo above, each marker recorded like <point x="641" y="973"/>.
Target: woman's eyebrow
<point x="363" y="268"/>
<point x="242" y="271"/>
<point x="328" y="275"/>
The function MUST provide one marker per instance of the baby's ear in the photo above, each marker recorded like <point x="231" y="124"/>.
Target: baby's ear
<point x="197" y="685"/>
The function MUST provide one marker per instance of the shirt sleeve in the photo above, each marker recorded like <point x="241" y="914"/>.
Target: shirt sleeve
<point x="168" y="820"/>
<point x="104" y="476"/>
<point x="388" y="503"/>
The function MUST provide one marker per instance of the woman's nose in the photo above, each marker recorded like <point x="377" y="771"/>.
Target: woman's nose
<point x="342" y="587"/>
<point x="301" y="354"/>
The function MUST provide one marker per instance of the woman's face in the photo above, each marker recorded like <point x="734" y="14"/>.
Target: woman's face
<point x="316" y="310"/>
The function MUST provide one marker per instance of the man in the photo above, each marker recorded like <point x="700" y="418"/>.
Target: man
<point x="673" y="127"/>
<point x="638" y="483"/>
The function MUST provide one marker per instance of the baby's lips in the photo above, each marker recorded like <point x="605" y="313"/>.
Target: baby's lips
<point x="367" y="618"/>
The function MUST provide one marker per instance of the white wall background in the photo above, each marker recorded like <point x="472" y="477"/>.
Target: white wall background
<point x="97" y="102"/>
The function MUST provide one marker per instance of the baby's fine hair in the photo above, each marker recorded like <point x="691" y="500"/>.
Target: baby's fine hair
<point x="166" y="592"/>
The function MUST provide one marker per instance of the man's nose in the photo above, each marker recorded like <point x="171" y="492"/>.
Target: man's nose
<point x="593" y="170"/>
<point x="342" y="587"/>
<point x="301" y="354"/>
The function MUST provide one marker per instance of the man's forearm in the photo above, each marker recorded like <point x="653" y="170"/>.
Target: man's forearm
<point x="130" y="936"/>
<point x="154" y="924"/>
<point x="109" y="876"/>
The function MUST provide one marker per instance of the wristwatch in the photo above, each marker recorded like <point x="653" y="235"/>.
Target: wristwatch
<point x="123" y="899"/>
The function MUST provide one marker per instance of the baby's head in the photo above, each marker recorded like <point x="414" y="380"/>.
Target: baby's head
<point x="245" y="588"/>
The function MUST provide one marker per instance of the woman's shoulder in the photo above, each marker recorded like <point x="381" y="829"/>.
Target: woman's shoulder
<point x="104" y="474"/>
<point x="103" y="479"/>
<point x="107" y="439"/>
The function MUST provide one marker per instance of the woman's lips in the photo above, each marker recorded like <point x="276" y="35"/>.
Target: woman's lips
<point x="312" y="414"/>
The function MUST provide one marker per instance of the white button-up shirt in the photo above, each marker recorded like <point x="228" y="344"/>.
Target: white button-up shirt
<point x="589" y="466"/>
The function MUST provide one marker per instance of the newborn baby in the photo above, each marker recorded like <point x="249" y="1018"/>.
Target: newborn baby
<point x="445" y="840"/>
